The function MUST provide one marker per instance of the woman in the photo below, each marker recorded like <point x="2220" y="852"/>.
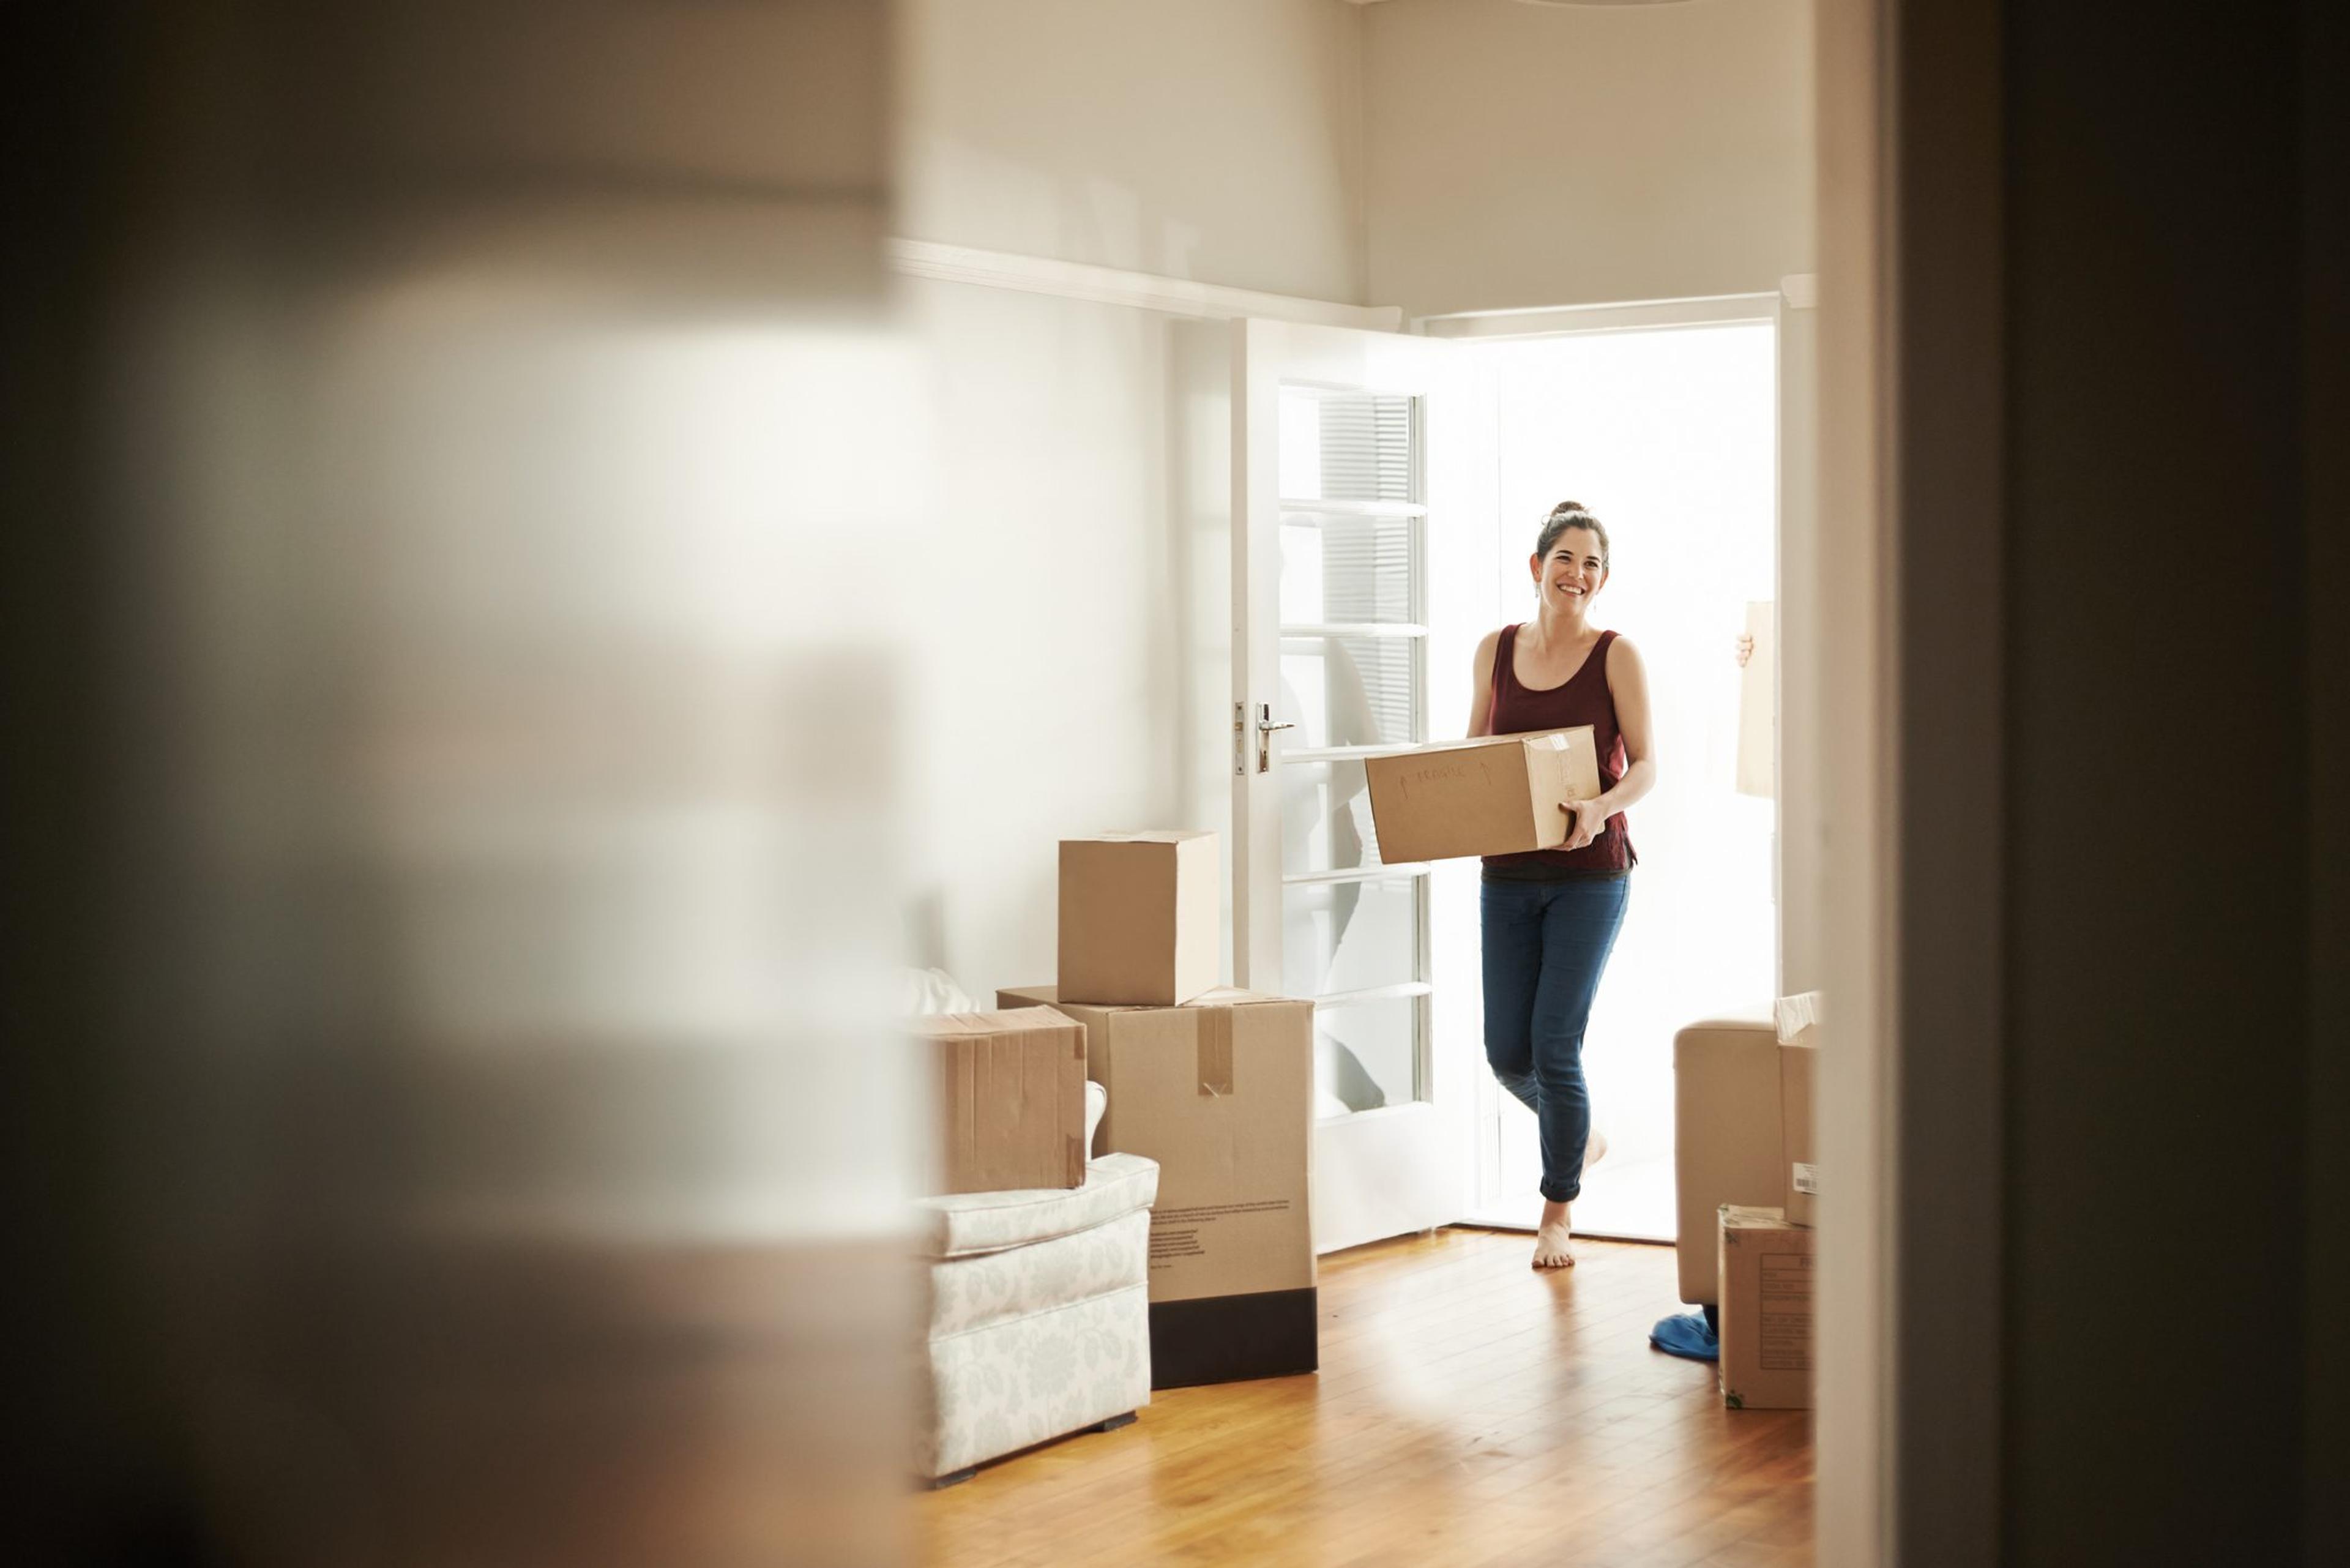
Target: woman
<point x="1551" y="915"/>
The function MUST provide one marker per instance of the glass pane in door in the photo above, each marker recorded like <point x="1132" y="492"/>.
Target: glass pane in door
<point x="1350" y="691"/>
<point x="1353" y="679"/>
<point x="1349" y="936"/>
<point x="1325" y="819"/>
<point x="1345" y="445"/>
<point x="1338" y="569"/>
<point x="1366" y="1055"/>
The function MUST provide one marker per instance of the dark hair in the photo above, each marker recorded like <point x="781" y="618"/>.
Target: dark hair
<point x="1571" y="515"/>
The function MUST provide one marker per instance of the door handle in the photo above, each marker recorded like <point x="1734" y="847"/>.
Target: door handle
<point x="1265" y="725"/>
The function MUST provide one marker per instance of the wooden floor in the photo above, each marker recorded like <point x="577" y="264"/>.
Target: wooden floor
<point x="1468" y="1412"/>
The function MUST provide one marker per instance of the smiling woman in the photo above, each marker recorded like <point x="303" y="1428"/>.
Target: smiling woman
<point x="1551" y="916"/>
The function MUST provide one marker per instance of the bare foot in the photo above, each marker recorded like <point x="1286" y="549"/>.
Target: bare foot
<point x="1551" y="1239"/>
<point x="1595" y="1150"/>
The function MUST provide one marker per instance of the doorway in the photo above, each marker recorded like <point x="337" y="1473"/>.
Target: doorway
<point x="1670" y="435"/>
<point x="1388" y="487"/>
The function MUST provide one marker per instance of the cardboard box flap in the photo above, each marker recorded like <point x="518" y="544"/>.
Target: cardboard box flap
<point x="1048" y="996"/>
<point x="946" y="1025"/>
<point x="1439" y="748"/>
<point x="1794" y="1014"/>
<point x="1233" y="996"/>
<point x="1730" y="1019"/>
<point x="1577" y="751"/>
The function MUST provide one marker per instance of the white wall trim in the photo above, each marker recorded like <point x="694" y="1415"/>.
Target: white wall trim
<point x="1635" y="316"/>
<point x="1116" y="285"/>
<point x="1799" y="290"/>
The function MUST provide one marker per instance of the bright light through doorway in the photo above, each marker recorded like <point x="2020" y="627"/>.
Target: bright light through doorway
<point x="1671" y="437"/>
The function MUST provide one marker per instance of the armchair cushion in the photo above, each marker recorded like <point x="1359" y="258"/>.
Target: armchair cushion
<point x="971" y="1224"/>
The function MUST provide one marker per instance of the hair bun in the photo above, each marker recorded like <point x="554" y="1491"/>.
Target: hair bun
<point x="1570" y="509"/>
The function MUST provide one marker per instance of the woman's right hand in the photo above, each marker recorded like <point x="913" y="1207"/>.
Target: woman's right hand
<point x="1745" y="648"/>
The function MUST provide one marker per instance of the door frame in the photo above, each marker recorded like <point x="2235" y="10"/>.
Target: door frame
<point x="1912" y="1116"/>
<point x="1788" y="310"/>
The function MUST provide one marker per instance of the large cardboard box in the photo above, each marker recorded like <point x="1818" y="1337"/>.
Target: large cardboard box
<point x="1758" y="703"/>
<point x="1220" y="1092"/>
<point x="1727" y="1141"/>
<point x="1798" y="1060"/>
<point x="1497" y="795"/>
<point x="1766" y="1310"/>
<point x="1012" y="1099"/>
<point x="1142" y="918"/>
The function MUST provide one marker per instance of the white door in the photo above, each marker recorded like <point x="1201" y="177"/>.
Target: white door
<point x="1362" y="576"/>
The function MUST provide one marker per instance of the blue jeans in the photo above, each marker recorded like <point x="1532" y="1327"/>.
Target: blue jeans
<point x="1546" y="944"/>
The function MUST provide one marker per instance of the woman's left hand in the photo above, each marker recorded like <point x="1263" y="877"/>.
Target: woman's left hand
<point x="1586" y="822"/>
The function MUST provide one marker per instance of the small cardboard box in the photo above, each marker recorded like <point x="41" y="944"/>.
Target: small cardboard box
<point x="1726" y="1142"/>
<point x="1497" y="795"/>
<point x="1798" y="1060"/>
<point x="1012" y="1099"/>
<point x="1141" y="919"/>
<point x="1766" y="1310"/>
<point x="1220" y="1092"/>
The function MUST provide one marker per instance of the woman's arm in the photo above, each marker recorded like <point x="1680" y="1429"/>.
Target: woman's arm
<point x="1628" y="683"/>
<point x="1480" y="701"/>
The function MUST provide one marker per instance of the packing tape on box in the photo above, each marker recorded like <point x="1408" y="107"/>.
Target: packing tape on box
<point x="1216" y="1050"/>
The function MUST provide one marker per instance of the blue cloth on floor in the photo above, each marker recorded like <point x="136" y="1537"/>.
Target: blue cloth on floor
<point x="1686" y="1334"/>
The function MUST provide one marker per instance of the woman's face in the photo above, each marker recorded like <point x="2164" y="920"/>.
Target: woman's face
<point x="1572" y="575"/>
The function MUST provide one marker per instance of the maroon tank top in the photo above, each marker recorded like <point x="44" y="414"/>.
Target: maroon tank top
<point x="1585" y="699"/>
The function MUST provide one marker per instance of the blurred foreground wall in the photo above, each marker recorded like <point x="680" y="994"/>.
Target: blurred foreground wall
<point x="457" y="454"/>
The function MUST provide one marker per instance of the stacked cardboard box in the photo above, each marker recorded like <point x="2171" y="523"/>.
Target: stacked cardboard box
<point x="1799" y="1055"/>
<point x="1765" y="1262"/>
<point x="1215" y="1084"/>
<point x="1012" y="1099"/>
<point x="1139" y="924"/>
<point x="1220" y="1092"/>
<point x="1743" y="1120"/>
<point x="1140" y="919"/>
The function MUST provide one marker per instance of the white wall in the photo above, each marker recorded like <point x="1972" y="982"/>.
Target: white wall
<point x="1065" y="647"/>
<point x="1214" y="140"/>
<point x="1066" y="613"/>
<point x="1527" y="155"/>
